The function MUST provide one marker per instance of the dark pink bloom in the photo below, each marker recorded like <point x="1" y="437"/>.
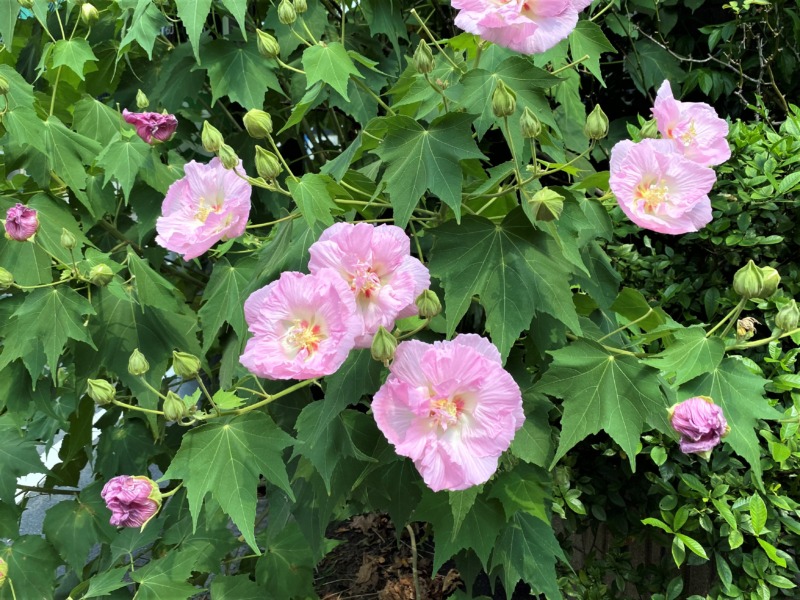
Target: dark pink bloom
<point x="132" y="500"/>
<point x="21" y="222"/>
<point x="700" y="424"/>
<point x="152" y="127"/>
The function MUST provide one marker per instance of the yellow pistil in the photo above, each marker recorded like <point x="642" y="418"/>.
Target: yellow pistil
<point x="304" y="336"/>
<point x="653" y="195"/>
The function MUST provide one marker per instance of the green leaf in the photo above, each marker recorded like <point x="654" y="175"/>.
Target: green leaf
<point x="18" y="456"/>
<point x="691" y="354"/>
<point x="460" y="504"/>
<point x="223" y="299"/>
<point x="633" y="306"/>
<point x="526" y="488"/>
<point x="772" y="552"/>
<point x="420" y="159"/>
<point x="329" y="63"/>
<point x="615" y="393"/>
<point x="70" y="526"/>
<point x="758" y="513"/>
<point x="28" y="263"/>
<point x="725" y="512"/>
<point x="107" y="581"/>
<point x="587" y="39"/>
<point x="152" y="289"/>
<point x="312" y="198"/>
<point x="287" y="567"/>
<point x="226" y="458"/>
<point x="533" y="443"/>
<point x="145" y="24"/>
<point x="509" y="266"/>
<point x="657" y="523"/>
<point x="74" y="53"/>
<point x="122" y="158"/>
<point x="740" y="393"/>
<point x="239" y="72"/>
<point x="236" y="587"/>
<point x="9" y="12"/>
<point x="649" y="65"/>
<point x="67" y="152"/>
<point x="32" y="566"/>
<point x="193" y="13"/>
<point x="693" y="545"/>
<point x="238" y="10"/>
<point x="96" y="121"/>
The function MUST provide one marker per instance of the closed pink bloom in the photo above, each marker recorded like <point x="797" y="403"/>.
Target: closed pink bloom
<point x="694" y="128"/>
<point x="658" y="188"/>
<point x="376" y="264"/>
<point x="152" y="127"/>
<point x="21" y="222"/>
<point x="132" y="500"/>
<point x="210" y="203"/>
<point x="700" y="424"/>
<point x="303" y="326"/>
<point x="527" y="26"/>
<point x="451" y="408"/>
<point x="3" y="571"/>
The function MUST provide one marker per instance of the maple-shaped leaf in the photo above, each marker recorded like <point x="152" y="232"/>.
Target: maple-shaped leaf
<point x="690" y="355"/>
<point x="226" y="458"/>
<point x="603" y="391"/>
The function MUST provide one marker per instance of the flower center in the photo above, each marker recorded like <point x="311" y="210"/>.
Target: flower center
<point x="365" y="281"/>
<point x="205" y="208"/>
<point x="445" y="412"/>
<point x="652" y="195"/>
<point x="303" y="337"/>
<point x="689" y="135"/>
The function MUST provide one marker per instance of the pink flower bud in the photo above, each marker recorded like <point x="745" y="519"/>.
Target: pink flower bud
<point x="133" y="501"/>
<point x="700" y="424"/>
<point x="152" y="127"/>
<point x="3" y="571"/>
<point x="21" y="222"/>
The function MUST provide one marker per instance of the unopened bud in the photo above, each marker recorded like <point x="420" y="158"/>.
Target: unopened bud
<point x="300" y="6"/>
<point x="6" y="279"/>
<point x="25" y="3"/>
<point x="748" y="281"/>
<point x="68" y="240"/>
<point x="772" y="280"/>
<point x="788" y="317"/>
<point x="142" y="101"/>
<point x="546" y="204"/>
<point x="423" y="58"/>
<point x="137" y="363"/>
<point x="428" y="304"/>
<point x="89" y="16"/>
<point x="228" y="157"/>
<point x="4" y="86"/>
<point x="383" y="346"/>
<point x="746" y="328"/>
<point x="530" y="124"/>
<point x="3" y="572"/>
<point x="649" y="130"/>
<point x="258" y="124"/>
<point x="596" y="127"/>
<point x="211" y="137"/>
<point x="174" y="408"/>
<point x="101" y="274"/>
<point x="267" y="164"/>
<point x="286" y="12"/>
<point x="267" y="45"/>
<point x="101" y="391"/>
<point x="185" y="365"/>
<point x="504" y="100"/>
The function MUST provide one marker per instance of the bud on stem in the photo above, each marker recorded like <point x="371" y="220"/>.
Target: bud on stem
<point x="286" y="12"/>
<point x="258" y="124"/>
<point x="423" y="58"/>
<point x="267" y="164"/>
<point x="504" y="100"/>
<point x="137" y="363"/>
<point x="211" y="138"/>
<point x="267" y="45"/>
<point x="142" y="101"/>
<point x="596" y="127"/>
<point x="383" y="346"/>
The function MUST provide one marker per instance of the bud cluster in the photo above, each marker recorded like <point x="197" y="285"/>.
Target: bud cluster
<point x="752" y="281"/>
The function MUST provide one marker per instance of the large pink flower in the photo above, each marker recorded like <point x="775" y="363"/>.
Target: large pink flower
<point x="21" y="222"/>
<point x="152" y="127"/>
<point x="693" y="127"/>
<point x="451" y="408"/>
<point x="132" y="500"/>
<point x="303" y="326"/>
<point x="377" y="265"/>
<point x="700" y="423"/>
<point x="658" y="188"/>
<point x="527" y="26"/>
<point x="208" y="204"/>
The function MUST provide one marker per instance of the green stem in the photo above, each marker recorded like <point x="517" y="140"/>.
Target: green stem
<point x="45" y="490"/>
<point x="55" y="91"/>
<point x="513" y="152"/>
<point x="435" y="41"/>
<point x="290" y="67"/>
<point x="735" y="310"/>
<point x="207" y="395"/>
<point x="414" y="570"/>
<point x="172" y="491"/>
<point x="311" y="35"/>
<point x="283" y="160"/>
<point x="762" y="342"/>
<point x="272" y="397"/>
<point x="572" y="64"/>
<point x="413" y="331"/>
<point x="375" y="96"/>
<point x="139" y="408"/>
<point x="624" y="327"/>
<point x="41" y="285"/>
<point x="270" y="223"/>
<point x="595" y="16"/>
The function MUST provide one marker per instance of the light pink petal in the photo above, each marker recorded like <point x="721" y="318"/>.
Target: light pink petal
<point x="480" y="344"/>
<point x="408" y="357"/>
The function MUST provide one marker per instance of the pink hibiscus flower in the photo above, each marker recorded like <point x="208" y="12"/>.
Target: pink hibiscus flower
<point x="694" y="128"/>
<point x="133" y="501"/>
<point x="208" y="204"/>
<point x="303" y="326"/>
<point x="21" y="222"/>
<point x="658" y="188"/>
<point x="152" y="127"/>
<point x="451" y="408"/>
<point x="700" y="424"/>
<point x="377" y="265"/>
<point x="527" y="26"/>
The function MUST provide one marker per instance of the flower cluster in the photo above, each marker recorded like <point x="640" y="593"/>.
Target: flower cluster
<point x="152" y="127"/>
<point x="663" y="184"/>
<point x="133" y="501"/>
<point x="700" y="424"/>
<point x="525" y="26"/>
<point x="362" y="277"/>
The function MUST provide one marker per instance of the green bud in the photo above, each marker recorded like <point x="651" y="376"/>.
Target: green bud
<point x="228" y="157"/>
<point x="174" y="407"/>
<point x="428" y="304"/>
<point x="137" y="363"/>
<point x="211" y="137"/>
<point x="286" y="12"/>
<point x="68" y="240"/>
<point x="6" y="279"/>
<point x="596" y="127"/>
<point x="772" y="280"/>
<point x="267" y="45"/>
<point x="101" y="274"/>
<point x="530" y="124"/>
<point x="748" y="281"/>
<point x="383" y="346"/>
<point x="423" y="58"/>
<point x="546" y="204"/>
<point x="504" y="100"/>
<point x="185" y="365"/>
<point x="258" y="124"/>
<point x="101" y="391"/>
<point x="267" y="164"/>
<point x="300" y="6"/>
<point x="141" y="99"/>
<point x="89" y="16"/>
<point x="788" y="317"/>
<point x="25" y="3"/>
<point x="4" y="86"/>
<point x="649" y="130"/>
